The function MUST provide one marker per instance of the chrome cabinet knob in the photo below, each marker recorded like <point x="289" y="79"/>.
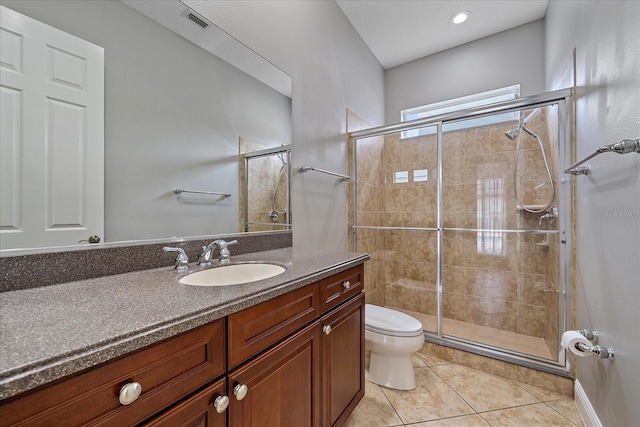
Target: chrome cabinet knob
<point x="240" y="391"/>
<point x="129" y="393"/>
<point x="326" y="329"/>
<point x="346" y="285"/>
<point x="221" y="403"/>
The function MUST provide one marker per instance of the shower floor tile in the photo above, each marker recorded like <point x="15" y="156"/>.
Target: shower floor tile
<point x="485" y="335"/>
<point x="452" y="395"/>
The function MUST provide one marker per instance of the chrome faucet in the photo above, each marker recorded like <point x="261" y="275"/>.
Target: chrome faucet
<point x="207" y="252"/>
<point x="182" y="261"/>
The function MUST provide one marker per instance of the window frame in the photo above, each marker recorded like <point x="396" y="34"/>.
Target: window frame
<point x="461" y="103"/>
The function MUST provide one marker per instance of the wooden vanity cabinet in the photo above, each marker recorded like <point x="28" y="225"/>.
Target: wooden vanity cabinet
<point x="342" y="361"/>
<point x="296" y="360"/>
<point x="313" y="378"/>
<point x="166" y="371"/>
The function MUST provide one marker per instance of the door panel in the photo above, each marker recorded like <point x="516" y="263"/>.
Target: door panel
<point x="52" y="138"/>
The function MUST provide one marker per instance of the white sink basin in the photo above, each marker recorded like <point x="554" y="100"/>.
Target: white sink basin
<point x="233" y="274"/>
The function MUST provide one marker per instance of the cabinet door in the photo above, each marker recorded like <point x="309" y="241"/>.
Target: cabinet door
<point x="343" y="361"/>
<point x="282" y="385"/>
<point x="198" y="410"/>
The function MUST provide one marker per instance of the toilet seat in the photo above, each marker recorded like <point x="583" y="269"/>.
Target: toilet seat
<point x="390" y="322"/>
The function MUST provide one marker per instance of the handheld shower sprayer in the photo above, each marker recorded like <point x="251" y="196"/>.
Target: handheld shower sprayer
<point x="516" y="135"/>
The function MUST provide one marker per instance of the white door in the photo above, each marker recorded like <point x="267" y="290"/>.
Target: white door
<point x="52" y="135"/>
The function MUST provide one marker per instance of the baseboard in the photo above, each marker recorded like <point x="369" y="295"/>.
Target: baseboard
<point x="587" y="413"/>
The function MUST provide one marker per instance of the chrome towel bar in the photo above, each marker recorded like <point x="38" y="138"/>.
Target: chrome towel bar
<point x="215" y="193"/>
<point x="303" y="169"/>
<point x="623" y="146"/>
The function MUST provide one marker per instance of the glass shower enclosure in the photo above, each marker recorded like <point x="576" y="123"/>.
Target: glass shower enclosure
<point x="265" y="189"/>
<point x="465" y="217"/>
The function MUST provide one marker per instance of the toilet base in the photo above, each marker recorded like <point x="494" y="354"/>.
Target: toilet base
<point x="390" y="371"/>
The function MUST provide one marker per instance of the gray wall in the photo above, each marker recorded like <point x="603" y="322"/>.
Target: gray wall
<point x="332" y="70"/>
<point x="173" y="116"/>
<point x="507" y="58"/>
<point x="605" y="35"/>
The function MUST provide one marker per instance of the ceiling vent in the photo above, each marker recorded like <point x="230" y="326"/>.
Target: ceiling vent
<point x="197" y="19"/>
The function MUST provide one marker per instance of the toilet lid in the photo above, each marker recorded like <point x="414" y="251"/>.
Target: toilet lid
<point x="390" y="322"/>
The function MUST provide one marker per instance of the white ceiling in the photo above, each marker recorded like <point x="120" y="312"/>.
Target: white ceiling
<point x="396" y="31"/>
<point x="400" y="31"/>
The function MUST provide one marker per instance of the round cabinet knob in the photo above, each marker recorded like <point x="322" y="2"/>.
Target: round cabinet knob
<point x="240" y="391"/>
<point x="326" y="329"/>
<point x="346" y="284"/>
<point x="129" y="393"/>
<point x="221" y="403"/>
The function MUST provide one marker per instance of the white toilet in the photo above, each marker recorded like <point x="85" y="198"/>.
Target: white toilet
<point x="390" y="337"/>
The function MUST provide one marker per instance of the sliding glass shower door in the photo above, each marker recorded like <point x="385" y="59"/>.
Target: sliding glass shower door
<point x="465" y="221"/>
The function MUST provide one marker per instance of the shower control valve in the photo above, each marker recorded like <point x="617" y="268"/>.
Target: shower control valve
<point x="551" y="216"/>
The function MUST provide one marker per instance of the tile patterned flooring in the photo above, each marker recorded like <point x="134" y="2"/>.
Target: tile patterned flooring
<point x="452" y="395"/>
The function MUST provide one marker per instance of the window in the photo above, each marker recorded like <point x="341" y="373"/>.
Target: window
<point x="491" y="215"/>
<point x="476" y="100"/>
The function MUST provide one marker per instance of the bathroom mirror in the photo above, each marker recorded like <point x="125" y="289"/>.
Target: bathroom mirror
<point x="175" y="112"/>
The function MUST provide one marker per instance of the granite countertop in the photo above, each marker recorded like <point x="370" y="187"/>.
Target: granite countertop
<point x="49" y="332"/>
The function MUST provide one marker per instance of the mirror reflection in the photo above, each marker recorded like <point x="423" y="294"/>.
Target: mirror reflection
<point x="265" y="204"/>
<point x="175" y="116"/>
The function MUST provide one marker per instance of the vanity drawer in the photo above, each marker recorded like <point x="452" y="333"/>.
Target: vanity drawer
<point x="197" y="410"/>
<point x="340" y="287"/>
<point x="255" y="328"/>
<point x="167" y="371"/>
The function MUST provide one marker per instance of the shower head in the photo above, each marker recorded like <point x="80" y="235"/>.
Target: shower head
<point x="513" y="133"/>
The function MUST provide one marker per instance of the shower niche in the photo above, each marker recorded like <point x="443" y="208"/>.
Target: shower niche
<point x="265" y="203"/>
<point x="475" y="248"/>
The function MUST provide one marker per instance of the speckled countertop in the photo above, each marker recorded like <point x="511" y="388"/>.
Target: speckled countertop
<point x="49" y="332"/>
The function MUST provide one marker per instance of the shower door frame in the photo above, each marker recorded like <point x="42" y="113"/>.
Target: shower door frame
<point x="562" y="99"/>
<point x="282" y="149"/>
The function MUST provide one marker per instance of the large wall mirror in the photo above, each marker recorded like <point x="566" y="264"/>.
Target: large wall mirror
<point x="177" y="115"/>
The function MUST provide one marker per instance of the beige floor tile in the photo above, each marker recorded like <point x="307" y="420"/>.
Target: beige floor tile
<point x="373" y="410"/>
<point x="538" y="415"/>
<point x="428" y="358"/>
<point x="483" y="391"/>
<point x="542" y="394"/>
<point x="567" y="407"/>
<point x="463" y="421"/>
<point x="417" y="361"/>
<point x="432" y="399"/>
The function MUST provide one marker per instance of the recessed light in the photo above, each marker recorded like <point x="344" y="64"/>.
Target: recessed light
<point x="460" y="17"/>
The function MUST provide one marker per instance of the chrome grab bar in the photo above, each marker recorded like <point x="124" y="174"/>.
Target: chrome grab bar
<point x="215" y="193"/>
<point x="303" y="169"/>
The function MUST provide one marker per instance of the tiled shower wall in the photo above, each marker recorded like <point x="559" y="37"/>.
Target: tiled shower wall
<point x="370" y="208"/>
<point x="506" y="281"/>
